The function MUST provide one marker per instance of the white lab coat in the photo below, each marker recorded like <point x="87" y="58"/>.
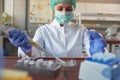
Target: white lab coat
<point x="62" y="41"/>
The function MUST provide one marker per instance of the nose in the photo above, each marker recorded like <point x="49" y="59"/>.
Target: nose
<point x="64" y="10"/>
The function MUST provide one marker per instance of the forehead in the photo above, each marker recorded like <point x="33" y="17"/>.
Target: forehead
<point x="64" y="5"/>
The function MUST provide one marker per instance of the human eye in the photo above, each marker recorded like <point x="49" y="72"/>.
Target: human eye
<point x="59" y="8"/>
<point x="69" y="9"/>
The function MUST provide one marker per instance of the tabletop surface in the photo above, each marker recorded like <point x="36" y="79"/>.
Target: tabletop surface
<point x="113" y="41"/>
<point x="69" y="73"/>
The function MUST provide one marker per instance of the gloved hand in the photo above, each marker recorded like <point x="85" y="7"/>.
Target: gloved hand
<point x="97" y="43"/>
<point x="104" y="58"/>
<point x="19" y="39"/>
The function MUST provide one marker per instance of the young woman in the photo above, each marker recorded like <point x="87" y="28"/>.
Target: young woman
<point x="62" y="37"/>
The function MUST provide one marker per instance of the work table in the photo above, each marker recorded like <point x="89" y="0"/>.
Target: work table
<point x="69" y="73"/>
<point x="111" y="44"/>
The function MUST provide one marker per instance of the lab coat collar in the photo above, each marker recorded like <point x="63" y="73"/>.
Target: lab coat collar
<point x="55" y="23"/>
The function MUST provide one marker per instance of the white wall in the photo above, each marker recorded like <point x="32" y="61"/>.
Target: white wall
<point x="101" y="1"/>
<point x="19" y="13"/>
<point x="8" y="8"/>
<point x="16" y="11"/>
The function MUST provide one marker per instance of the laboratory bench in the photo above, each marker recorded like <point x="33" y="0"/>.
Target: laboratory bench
<point x="68" y="73"/>
<point x="111" y="44"/>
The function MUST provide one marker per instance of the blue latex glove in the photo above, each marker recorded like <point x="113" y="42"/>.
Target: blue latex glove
<point x="104" y="58"/>
<point x="97" y="43"/>
<point x="19" y="39"/>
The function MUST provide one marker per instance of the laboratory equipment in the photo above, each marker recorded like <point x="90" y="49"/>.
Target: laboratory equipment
<point x="111" y="32"/>
<point x="4" y="31"/>
<point x="118" y="51"/>
<point x="91" y="70"/>
<point x="78" y="18"/>
<point x="70" y="63"/>
<point x="40" y="67"/>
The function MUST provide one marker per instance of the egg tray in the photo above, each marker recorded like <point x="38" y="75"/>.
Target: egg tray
<point x="41" y="68"/>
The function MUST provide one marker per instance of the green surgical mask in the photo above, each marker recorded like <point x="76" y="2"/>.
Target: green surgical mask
<point x="64" y="18"/>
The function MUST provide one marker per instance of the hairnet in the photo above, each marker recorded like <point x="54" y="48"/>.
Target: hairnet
<point x="53" y="3"/>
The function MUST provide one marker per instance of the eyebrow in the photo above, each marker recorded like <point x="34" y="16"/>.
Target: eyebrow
<point x="65" y="7"/>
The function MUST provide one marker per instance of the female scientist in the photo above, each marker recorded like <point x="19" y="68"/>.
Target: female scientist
<point x="62" y="37"/>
